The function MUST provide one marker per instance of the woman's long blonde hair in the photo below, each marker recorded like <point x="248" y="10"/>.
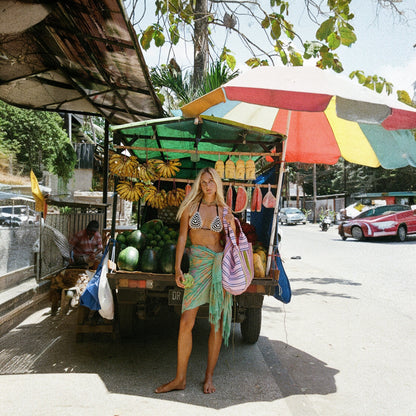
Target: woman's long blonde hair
<point x="196" y="194"/>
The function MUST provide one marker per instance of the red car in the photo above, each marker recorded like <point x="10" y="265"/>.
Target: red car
<point x="387" y="220"/>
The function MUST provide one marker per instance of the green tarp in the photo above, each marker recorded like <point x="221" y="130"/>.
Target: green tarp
<point x="191" y="135"/>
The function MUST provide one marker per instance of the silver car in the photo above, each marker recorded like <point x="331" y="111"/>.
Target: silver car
<point x="291" y="215"/>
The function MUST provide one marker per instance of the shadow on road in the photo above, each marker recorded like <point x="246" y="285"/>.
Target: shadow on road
<point x="295" y="371"/>
<point x="245" y="373"/>
<point x="323" y="281"/>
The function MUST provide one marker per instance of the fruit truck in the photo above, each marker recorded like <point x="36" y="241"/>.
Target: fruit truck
<point x="154" y="164"/>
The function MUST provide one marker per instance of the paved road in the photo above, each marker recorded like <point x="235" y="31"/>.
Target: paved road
<point x="343" y="346"/>
<point x="350" y="328"/>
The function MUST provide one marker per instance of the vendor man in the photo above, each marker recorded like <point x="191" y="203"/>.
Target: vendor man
<point x="87" y="246"/>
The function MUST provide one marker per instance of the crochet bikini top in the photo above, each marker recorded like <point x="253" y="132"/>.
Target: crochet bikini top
<point x="196" y="221"/>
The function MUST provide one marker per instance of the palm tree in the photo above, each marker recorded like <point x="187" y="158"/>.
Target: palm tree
<point x="176" y="88"/>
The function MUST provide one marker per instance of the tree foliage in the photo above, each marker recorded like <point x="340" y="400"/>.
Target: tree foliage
<point x="350" y="178"/>
<point x="177" y="21"/>
<point x="176" y="87"/>
<point x="38" y="140"/>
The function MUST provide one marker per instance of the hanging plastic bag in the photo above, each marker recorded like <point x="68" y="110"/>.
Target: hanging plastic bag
<point x="219" y="167"/>
<point x="105" y="295"/>
<point x="90" y="296"/>
<point x="240" y="171"/>
<point x="269" y="201"/>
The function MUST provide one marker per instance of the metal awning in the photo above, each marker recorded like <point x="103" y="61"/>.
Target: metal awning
<point x="77" y="56"/>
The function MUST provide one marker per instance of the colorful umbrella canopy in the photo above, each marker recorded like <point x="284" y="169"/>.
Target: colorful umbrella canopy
<point x="323" y="116"/>
<point x="330" y="116"/>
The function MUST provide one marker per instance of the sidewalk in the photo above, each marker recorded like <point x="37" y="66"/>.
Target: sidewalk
<point x="18" y="302"/>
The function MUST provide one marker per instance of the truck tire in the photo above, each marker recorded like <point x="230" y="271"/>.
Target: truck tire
<point x="250" y="327"/>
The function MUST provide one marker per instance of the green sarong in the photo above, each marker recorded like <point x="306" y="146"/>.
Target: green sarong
<point x="205" y="268"/>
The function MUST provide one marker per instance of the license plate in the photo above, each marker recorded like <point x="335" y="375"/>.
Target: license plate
<point x="175" y="297"/>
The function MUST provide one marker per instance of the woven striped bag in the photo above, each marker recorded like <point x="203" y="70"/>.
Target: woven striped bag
<point x="237" y="262"/>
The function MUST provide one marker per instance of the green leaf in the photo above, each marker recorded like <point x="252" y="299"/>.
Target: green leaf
<point x="146" y="38"/>
<point x="347" y="36"/>
<point x="283" y="56"/>
<point x="296" y="59"/>
<point x="159" y="38"/>
<point x="174" y="34"/>
<point x="289" y="29"/>
<point x="334" y="41"/>
<point x="276" y="30"/>
<point x="326" y="28"/>
<point x="253" y="62"/>
<point x="231" y="62"/>
<point x="404" y="97"/>
<point x="379" y="87"/>
<point x="265" y="23"/>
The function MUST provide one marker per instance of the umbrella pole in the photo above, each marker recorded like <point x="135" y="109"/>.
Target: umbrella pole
<point x="278" y="193"/>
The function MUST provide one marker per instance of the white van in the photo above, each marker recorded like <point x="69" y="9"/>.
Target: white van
<point x="16" y="215"/>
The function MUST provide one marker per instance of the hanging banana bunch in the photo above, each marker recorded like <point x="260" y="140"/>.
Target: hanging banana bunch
<point x="240" y="169"/>
<point x="116" y="163"/>
<point x="130" y="191"/>
<point x="175" y="197"/>
<point x="156" y="198"/>
<point x="167" y="169"/>
<point x="131" y="167"/>
<point x="149" y="192"/>
<point x="147" y="172"/>
<point x="159" y="200"/>
<point x="250" y="170"/>
<point x="124" y="166"/>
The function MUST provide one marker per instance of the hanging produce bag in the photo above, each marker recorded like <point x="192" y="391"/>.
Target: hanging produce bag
<point x="269" y="201"/>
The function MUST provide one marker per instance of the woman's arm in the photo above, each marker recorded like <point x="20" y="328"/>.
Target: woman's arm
<point x="180" y="247"/>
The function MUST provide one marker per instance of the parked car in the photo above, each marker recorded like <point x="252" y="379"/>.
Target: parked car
<point x="10" y="221"/>
<point x="291" y="215"/>
<point x="387" y="220"/>
<point x="16" y="215"/>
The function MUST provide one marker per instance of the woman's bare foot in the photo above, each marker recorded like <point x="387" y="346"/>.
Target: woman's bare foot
<point x="172" y="385"/>
<point x="208" y="386"/>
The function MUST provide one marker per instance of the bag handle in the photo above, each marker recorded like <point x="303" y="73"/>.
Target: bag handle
<point x="229" y="230"/>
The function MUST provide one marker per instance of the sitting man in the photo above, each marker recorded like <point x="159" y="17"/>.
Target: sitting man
<point x="87" y="246"/>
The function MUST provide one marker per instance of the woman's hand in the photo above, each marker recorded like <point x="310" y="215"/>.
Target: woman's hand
<point x="179" y="279"/>
<point x="231" y="221"/>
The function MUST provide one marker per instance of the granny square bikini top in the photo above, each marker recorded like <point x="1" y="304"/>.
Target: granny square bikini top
<point x="196" y="221"/>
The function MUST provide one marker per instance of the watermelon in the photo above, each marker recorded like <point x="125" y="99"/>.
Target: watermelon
<point x="136" y="239"/>
<point x="241" y="200"/>
<point x="167" y="258"/>
<point x="121" y="239"/>
<point x="149" y="260"/>
<point x="151" y="226"/>
<point x="256" y="199"/>
<point x="128" y="259"/>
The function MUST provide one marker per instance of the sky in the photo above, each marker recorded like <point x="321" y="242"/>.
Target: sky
<point x="384" y="43"/>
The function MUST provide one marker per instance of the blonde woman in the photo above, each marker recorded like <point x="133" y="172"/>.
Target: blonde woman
<point x="201" y="216"/>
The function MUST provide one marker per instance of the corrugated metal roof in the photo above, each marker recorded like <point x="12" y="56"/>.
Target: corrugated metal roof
<point x="78" y="56"/>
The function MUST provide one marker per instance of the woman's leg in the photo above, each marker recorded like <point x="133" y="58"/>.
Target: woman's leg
<point x="184" y="351"/>
<point x="214" y="347"/>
